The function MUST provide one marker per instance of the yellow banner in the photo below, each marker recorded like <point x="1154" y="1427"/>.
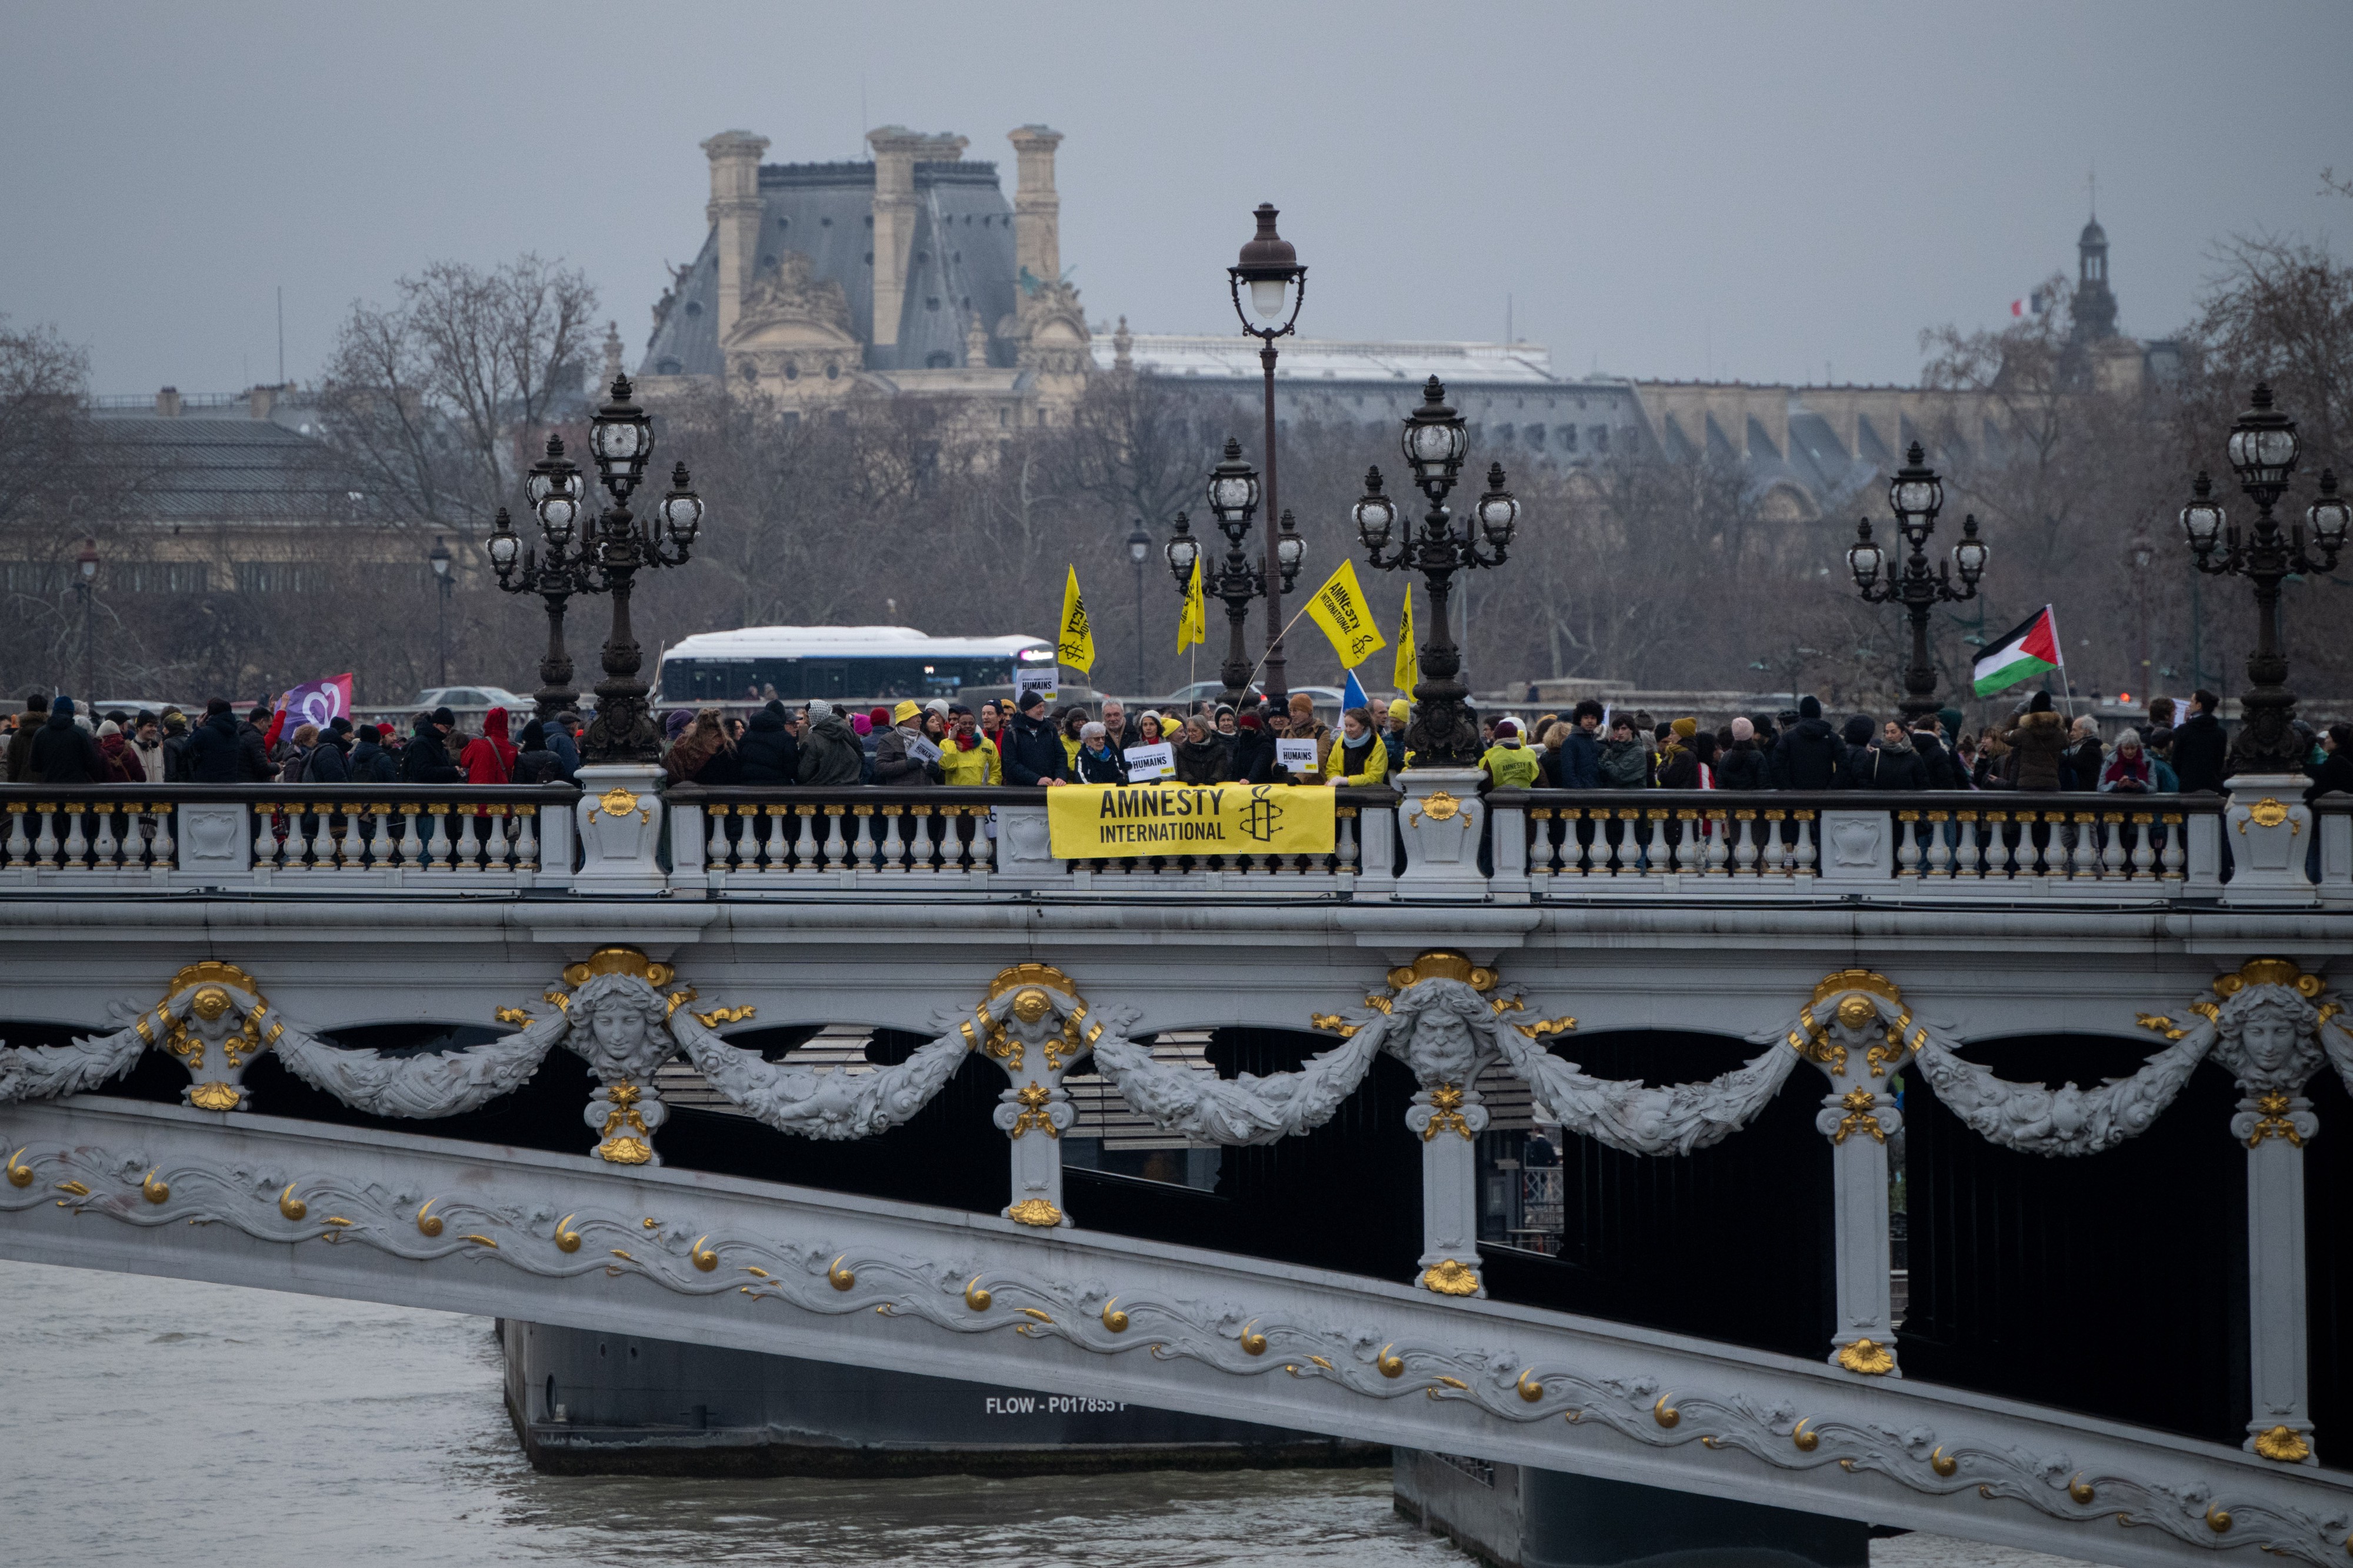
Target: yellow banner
<point x="1076" y="647"/>
<point x="1119" y="822"/>
<point x="1407" y="674"/>
<point x="1193" y="625"/>
<point x="1340" y="609"/>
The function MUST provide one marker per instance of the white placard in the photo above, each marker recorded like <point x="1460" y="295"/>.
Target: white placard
<point x="1153" y="761"/>
<point x="1040" y="680"/>
<point x="922" y="749"/>
<point x="1298" y="756"/>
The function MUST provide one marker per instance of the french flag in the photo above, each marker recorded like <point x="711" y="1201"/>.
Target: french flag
<point x="2034" y="304"/>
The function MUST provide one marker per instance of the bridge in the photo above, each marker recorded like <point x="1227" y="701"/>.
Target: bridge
<point x="433" y="1046"/>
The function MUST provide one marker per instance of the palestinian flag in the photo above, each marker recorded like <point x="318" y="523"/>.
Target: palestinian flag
<point x="2030" y="650"/>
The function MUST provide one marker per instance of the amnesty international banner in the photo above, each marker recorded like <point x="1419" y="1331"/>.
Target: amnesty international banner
<point x="1119" y="822"/>
<point x="1340" y="609"/>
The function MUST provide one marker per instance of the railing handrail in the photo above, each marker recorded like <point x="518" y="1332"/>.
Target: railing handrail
<point x="177" y="793"/>
<point x="932" y="794"/>
<point x="1861" y="800"/>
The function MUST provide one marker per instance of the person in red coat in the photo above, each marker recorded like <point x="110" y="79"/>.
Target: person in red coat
<point x="490" y="758"/>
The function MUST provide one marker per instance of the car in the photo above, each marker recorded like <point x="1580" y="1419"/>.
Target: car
<point x="477" y="697"/>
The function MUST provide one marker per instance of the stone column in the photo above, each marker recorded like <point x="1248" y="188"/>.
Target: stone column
<point x="1037" y="210"/>
<point x="896" y="149"/>
<point x="734" y="216"/>
<point x="1438" y="819"/>
<point x="620" y="814"/>
<point x="2276" y="1126"/>
<point x="1449" y="1119"/>
<point x="1858" y="1121"/>
<point x="2268" y="828"/>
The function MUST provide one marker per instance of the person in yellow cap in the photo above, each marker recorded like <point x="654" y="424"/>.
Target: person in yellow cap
<point x="899" y="751"/>
<point x="1508" y="764"/>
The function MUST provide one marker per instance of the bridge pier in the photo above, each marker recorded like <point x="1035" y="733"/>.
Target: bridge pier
<point x="1516" y="1516"/>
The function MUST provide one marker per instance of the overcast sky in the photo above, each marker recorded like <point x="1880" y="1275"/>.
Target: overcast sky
<point x="1766" y="192"/>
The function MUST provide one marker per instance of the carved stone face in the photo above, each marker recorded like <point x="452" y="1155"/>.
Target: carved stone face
<point x="615" y="1027"/>
<point x="2269" y="1043"/>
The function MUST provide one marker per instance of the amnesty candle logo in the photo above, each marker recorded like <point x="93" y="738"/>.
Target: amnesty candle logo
<point x="1108" y="821"/>
<point x="1340" y="609"/>
<point x="1076" y="646"/>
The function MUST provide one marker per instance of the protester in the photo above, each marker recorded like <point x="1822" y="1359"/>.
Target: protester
<point x="560" y="740"/>
<point x="767" y="753"/>
<point x="1743" y="766"/>
<point x="1358" y="756"/>
<point x="1893" y="763"/>
<point x="63" y="753"/>
<point x="1147" y="729"/>
<point x="1200" y="758"/>
<point x="969" y="758"/>
<point x="20" y="743"/>
<point x="490" y="758"/>
<point x="536" y="762"/>
<point x="426" y="759"/>
<point x="370" y="761"/>
<point x="328" y="760"/>
<point x="1625" y="759"/>
<point x="2201" y="747"/>
<point x="1507" y="763"/>
<point x="2334" y="775"/>
<point x="2079" y="762"/>
<point x="1678" y="765"/>
<point x="830" y="754"/>
<point x="2039" y="739"/>
<point x="1099" y="762"/>
<point x="1118" y="726"/>
<point x="1808" y="754"/>
<point x="1575" y="760"/>
<point x="1938" y="769"/>
<point x="1033" y="754"/>
<point x="1249" y="756"/>
<point x="703" y="753"/>
<point x="2128" y="771"/>
<point x="898" y="758"/>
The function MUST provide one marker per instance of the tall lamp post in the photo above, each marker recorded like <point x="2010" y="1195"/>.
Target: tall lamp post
<point x="1233" y="499"/>
<point x="1139" y="545"/>
<point x="2263" y="449"/>
<point x="1268" y="267"/>
<point x="1442" y="734"/>
<point x="86" y="590"/>
<point x="439" y="556"/>
<point x="1915" y="494"/>
<point x="612" y="551"/>
<point x="555" y="578"/>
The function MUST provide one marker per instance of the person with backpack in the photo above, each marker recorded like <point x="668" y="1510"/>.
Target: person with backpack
<point x="489" y="757"/>
<point x="328" y="761"/>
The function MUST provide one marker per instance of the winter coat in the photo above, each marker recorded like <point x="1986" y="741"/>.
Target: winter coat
<point x="1576" y="762"/>
<point x="566" y="753"/>
<point x="1511" y="767"/>
<point x="120" y="760"/>
<point x="966" y="769"/>
<point x="1100" y="767"/>
<point x="2135" y="777"/>
<point x="1892" y="766"/>
<point x="2334" y="775"/>
<point x="538" y="766"/>
<point x="63" y="754"/>
<point x="767" y="753"/>
<point x="371" y="763"/>
<point x="1319" y="733"/>
<point x="2038" y="741"/>
<point x="1359" y="762"/>
<point x="1742" y="767"/>
<point x="426" y="759"/>
<point x="1251" y="753"/>
<point x="20" y="747"/>
<point x="1937" y="768"/>
<point x="1035" y="753"/>
<point x="489" y="759"/>
<point x="1201" y="761"/>
<point x="894" y="765"/>
<point x="1855" y="763"/>
<point x="213" y="752"/>
<point x="2200" y="754"/>
<point x="1679" y="768"/>
<point x="2080" y="765"/>
<point x="154" y="763"/>
<point x="327" y="762"/>
<point x="1625" y="764"/>
<point x="253" y="741"/>
<point x="1807" y="756"/>
<point x="831" y="755"/>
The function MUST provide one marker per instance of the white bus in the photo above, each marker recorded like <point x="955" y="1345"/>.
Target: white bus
<point x="857" y="666"/>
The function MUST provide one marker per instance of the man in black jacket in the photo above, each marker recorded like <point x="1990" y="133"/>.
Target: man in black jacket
<point x="328" y="760"/>
<point x="427" y="761"/>
<point x="2201" y="749"/>
<point x="369" y="762"/>
<point x="20" y="741"/>
<point x="767" y="753"/>
<point x="1034" y="754"/>
<point x="63" y="751"/>
<point x="1807" y="755"/>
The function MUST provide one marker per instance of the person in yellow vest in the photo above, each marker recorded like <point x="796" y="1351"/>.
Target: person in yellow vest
<point x="969" y="757"/>
<point x="1509" y="765"/>
<point x="1359" y="755"/>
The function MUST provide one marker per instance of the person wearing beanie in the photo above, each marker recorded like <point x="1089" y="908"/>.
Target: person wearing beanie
<point x="1507" y="763"/>
<point x="1030" y="748"/>
<point x="1741" y="765"/>
<point x="1679" y="766"/>
<point x="20" y="743"/>
<point x="1808" y="756"/>
<point x="120" y="757"/>
<point x="63" y="753"/>
<point x="766" y="753"/>
<point x="368" y="762"/>
<point x="830" y="754"/>
<point x="1252" y="750"/>
<point x="328" y="760"/>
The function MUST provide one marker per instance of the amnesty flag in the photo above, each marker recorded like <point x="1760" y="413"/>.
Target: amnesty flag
<point x="1408" y="663"/>
<point x="1340" y="609"/>
<point x="1076" y="644"/>
<point x="1115" y="822"/>
<point x="1193" y="625"/>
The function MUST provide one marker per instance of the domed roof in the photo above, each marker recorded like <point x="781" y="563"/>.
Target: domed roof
<point x="2092" y="234"/>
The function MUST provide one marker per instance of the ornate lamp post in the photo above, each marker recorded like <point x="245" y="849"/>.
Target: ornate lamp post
<point x="2264" y="449"/>
<point x="555" y="579"/>
<point x="611" y="553"/>
<point x="86" y="589"/>
<point x="1269" y="268"/>
<point x="1442" y="734"/>
<point x="1139" y="545"/>
<point x="439" y="556"/>
<point x="1233" y="499"/>
<point x="1915" y="494"/>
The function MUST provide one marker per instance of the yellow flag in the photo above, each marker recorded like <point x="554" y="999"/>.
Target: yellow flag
<point x="1193" y="625"/>
<point x="1076" y="644"/>
<point x="1340" y="609"/>
<point x="1408" y="662"/>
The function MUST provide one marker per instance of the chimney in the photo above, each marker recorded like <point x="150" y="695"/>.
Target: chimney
<point x="734" y="213"/>
<point x="1123" y="347"/>
<point x="167" y="403"/>
<point x="261" y="400"/>
<point x="897" y="150"/>
<point x="1037" y="210"/>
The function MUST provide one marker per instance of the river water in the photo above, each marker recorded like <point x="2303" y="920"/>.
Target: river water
<point x="166" y="1424"/>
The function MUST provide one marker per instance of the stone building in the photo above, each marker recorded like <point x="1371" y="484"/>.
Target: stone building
<point x="908" y="276"/>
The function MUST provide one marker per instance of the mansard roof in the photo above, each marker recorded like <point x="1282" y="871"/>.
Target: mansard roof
<point x="202" y="470"/>
<point x="961" y="261"/>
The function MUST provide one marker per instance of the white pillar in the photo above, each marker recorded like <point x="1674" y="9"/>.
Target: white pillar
<point x="2276" y="1126"/>
<point x="1858" y="1120"/>
<point x="1449" y="1119"/>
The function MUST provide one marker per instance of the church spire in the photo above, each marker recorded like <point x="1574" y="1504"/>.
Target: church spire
<point x="2096" y="302"/>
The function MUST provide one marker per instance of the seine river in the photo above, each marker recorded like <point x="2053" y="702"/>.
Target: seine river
<point x="166" y="1424"/>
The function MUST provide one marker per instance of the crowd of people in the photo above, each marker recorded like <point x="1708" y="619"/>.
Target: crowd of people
<point x="1028" y="744"/>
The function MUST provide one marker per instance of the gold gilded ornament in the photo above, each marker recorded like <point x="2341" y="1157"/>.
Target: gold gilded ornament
<point x="1034" y="1210"/>
<point x="837" y="1276"/>
<point x="1807" y="1442"/>
<point x="1664" y="1414"/>
<point x="566" y="1240"/>
<point x="1944" y="1464"/>
<point x="1389" y="1366"/>
<point x="19" y="1175"/>
<point x="2079" y="1489"/>
<point x="975" y="1297"/>
<point x="290" y="1205"/>
<point x="705" y="1257"/>
<point x="1252" y="1344"/>
<point x="428" y="1223"/>
<point x="153" y="1190"/>
<point x="2283" y="1445"/>
<point x="2266" y="813"/>
<point x="214" y="1096"/>
<point x="1113" y="1319"/>
<point x="1868" y="1357"/>
<point x="1450" y="1279"/>
<point x="1446" y="1115"/>
<point x="1530" y="1389"/>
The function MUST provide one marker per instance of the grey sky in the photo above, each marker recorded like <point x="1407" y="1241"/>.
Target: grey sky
<point x="1666" y="190"/>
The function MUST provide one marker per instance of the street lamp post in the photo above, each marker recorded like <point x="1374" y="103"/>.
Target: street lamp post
<point x="2263" y="449"/>
<point x="1139" y="545"/>
<point x="442" y="586"/>
<point x="1442" y="734"/>
<point x="1916" y="496"/>
<point x="86" y="589"/>
<point x="1233" y="495"/>
<point x="1269" y="268"/>
<point x="555" y="578"/>
<point x="611" y="553"/>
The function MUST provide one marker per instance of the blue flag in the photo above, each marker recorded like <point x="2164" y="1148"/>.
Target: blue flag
<point x="1353" y="694"/>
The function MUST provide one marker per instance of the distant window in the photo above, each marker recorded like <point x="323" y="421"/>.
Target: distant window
<point x="1004" y="418"/>
<point x="1600" y="434"/>
<point x="792" y="371"/>
<point x="870" y="258"/>
<point x="1569" y="437"/>
<point x="1632" y="438"/>
<point x="932" y="302"/>
<point x="955" y="256"/>
<point x="667" y="367"/>
<point x="694" y="306"/>
<point x="767" y="261"/>
<point x="832" y="372"/>
<point x="870" y="220"/>
<point x="1536" y="437"/>
<point x="1503" y="431"/>
<point x="937" y="360"/>
<point x="784" y="223"/>
<point x="279" y="577"/>
<point x="921" y="257"/>
<point x="750" y="371"/>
